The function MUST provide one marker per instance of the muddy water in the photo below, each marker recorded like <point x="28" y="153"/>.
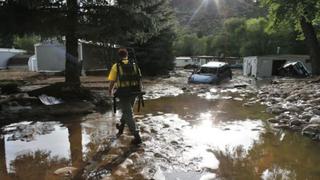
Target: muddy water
<point x="185" y="137"/>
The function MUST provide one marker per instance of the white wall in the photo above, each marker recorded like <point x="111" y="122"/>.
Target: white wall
<point x="264" y="66"/>
<point x="50" y="57"/>
<point x="181" y="62"/>
<point x="250" y="66"/>
<point x="32" y="64"/>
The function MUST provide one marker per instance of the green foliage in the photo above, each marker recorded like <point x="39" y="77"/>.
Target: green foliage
<point x="6" y="40"/>
<point x="26" y="43"/>
<point x="291" y="10"/>
<point x="190" y="45"/>
<point x="144" y="24"/>
<point x="305" y="16"/>
<point x="155" y="56"/>
<point x="282" y="12"/>
<point x="206" y="17"/>
<point x="241" y="37"/>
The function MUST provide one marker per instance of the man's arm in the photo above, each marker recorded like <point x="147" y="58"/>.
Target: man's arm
<point x="112" y="79"/>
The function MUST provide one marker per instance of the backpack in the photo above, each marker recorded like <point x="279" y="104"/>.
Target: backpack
<point x="128" y="79"/>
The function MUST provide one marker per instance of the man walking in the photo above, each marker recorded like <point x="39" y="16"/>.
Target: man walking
<point x="126" y="77"/>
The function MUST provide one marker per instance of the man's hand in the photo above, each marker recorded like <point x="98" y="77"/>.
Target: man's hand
<point x="111" y="85"/>
<point x="110" y="92"/>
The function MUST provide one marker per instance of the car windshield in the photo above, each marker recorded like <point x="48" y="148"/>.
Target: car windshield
<point x="206" y="70"/>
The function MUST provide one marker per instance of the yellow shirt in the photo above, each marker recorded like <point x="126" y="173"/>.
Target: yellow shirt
<point x="113" y="73"/>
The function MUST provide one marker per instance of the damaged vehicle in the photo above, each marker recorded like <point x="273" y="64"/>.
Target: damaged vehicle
<point x="211" y="73"/>
<point x="294" y="69"/>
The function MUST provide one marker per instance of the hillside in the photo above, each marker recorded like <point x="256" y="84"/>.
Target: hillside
<point x="205" y="17"/>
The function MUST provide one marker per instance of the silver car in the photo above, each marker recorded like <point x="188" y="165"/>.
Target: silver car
<point x="211" y="73"/>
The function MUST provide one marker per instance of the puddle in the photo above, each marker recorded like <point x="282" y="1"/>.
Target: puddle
<point x="184" y="137"/>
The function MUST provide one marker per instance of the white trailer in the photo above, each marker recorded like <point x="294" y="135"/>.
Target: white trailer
<point x="51" y="57"/>
<point x="6" y="54"/>
<point x="183" y="61"/>
<point x="267" y="66"/>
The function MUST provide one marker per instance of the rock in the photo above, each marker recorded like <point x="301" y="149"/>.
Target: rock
<point x="9" y="88"/>
<point x="315" y="101"/>
<point x="247" y="104"/>
<point x="276" y="109"/>
<point x="272" y="120"/>
<point x="145" y="137"/>
<point x="306" y="116"/>
<point x="127" y="162"/>
<point x="296" y="122"/>
<point x="174" y="142"/>
<point x="134" y="156"/>
<point x="66" y="171"/>
<point x="315" y="120"/>
<point x="282" y="126"/>
<point x="316" y="137"/>
<point x="115" y="151"/>
<point x="311" y="129"/>
<point x="282" y="116"/>
<point x="269" y="110"/>
<point x="291" y="98"/>
<point x="284" y="121"/>
<point x="238" y="99"/>
<point x="316" y="111"/>
<point x="293" y="109"/>
<point x="154" y="131"/>
<point x="109" y="157"/>
<point x="158" y="155"/>
<point x="121" y="171"/>
<point x="296" y="128"/>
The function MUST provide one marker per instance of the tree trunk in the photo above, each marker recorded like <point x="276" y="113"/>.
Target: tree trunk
<point x="312" y="43"/>
<point x="72" y="71"/>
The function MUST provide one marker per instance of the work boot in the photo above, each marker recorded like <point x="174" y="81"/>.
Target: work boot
<point x="120" y="128"/>
<point x="137" y="139"/>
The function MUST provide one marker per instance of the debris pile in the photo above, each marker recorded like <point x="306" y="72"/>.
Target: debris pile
<point x="52" y="100"/>
<point x="296" y="105"/>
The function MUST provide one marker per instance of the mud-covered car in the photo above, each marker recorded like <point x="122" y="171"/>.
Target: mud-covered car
<point x="211" y="73"/>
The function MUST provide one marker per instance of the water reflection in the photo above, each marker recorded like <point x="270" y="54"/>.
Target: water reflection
<point x="36" y="165"/>
<point x="20" y="141"/>
<point x="225" y="134"/>
<point x="190" y="108"/>
<point x="75" y="140"/>
<point x="270" y="158"/>
<point x="35" y="150"/>
<point x="69" y="142"/>
<point x="3" y="164"/>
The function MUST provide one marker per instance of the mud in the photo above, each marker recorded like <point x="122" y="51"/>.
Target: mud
<point x="188" y="132"/>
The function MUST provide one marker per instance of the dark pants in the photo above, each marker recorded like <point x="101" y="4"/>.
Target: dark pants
<point x="126" y="106"/>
